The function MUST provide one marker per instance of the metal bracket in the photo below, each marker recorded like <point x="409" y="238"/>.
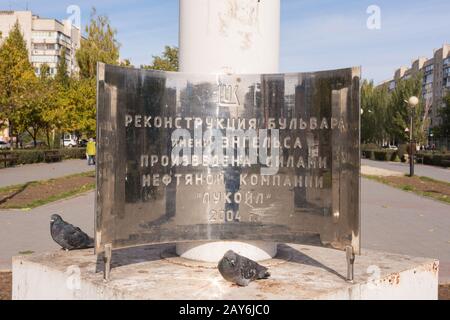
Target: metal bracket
<point x="350" y="254"/>
<point x="107" y="261"/>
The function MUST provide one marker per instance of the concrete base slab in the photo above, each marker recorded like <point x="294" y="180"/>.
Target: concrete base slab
<point x="154" y="272"/>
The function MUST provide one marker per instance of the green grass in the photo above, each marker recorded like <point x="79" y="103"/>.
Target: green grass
<point x="53" y="198"/>
<point x="27" y="252"/>
<point x="427" y="179"/>
<point x="406" y="188"/>
<point x="31" y="183"/>
<point x="410" y="188"/>
<point x="59" y="196"/>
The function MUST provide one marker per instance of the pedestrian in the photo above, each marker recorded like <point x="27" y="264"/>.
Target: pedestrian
<point x="91" y="151"/>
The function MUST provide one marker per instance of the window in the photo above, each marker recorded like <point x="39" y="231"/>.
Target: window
<point x="446" y="72"/>
<point x="428" y="78"/>
<point x="447" y="62"/>
<point x="429" y="68"/>
<point x="44" y="34"/>
<point x="44" y="46"/>
<point x="43" y="59"/>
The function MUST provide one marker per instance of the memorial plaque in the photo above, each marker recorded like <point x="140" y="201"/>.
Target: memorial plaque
<point x="195" y="157"/>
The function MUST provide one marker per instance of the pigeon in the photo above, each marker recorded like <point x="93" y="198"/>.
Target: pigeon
<point x="68" y="236"/>
<point x="241" y="270"/>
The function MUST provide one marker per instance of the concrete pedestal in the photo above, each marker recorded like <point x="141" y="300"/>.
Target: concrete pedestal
<point x="155" y="272"/>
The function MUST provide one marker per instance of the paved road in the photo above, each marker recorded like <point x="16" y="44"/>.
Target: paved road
<point x="437" y="173"/>
<point x="392" y="220"/>
<point x="41" y="171"/>
<point x="401" y="222"/>
<point x="30" y="230"/>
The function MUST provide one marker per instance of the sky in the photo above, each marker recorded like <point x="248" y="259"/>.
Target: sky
<point x="315" y="34"/>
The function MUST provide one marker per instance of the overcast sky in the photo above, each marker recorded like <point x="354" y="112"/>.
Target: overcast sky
<point x="315" y="34"/>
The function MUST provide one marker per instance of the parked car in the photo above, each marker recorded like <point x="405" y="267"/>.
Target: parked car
<point x="69" y="140"/>
<point x="82" y="143"/>
<point x="39" y="144"/>
<point x="4" y="145"/>
<point x="390" y="147"/>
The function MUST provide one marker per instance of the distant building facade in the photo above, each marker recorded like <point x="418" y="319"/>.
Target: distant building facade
<point x="45" y="39"/>
<point x="436" y="80"/>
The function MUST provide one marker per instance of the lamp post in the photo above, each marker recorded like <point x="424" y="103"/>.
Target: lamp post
<point x="412" y="103"/>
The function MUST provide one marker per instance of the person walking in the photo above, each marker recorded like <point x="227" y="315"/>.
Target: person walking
<point x="91" y="151"/>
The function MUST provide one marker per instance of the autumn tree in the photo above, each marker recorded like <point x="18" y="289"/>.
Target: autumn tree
<point x="16" y="73"/>
<point x="374" y="120"/>
<point x="36" y="101"/>
<point x="399" y="112"/>
<point x="99" y="46"/>
<point x="126" y="63"/>
<point x="77" y="105"/>
<point x="168" y="61"/>
<point x="62" y="76"/>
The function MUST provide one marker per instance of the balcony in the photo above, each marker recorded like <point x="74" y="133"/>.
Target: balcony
<point x="447" y="62"/>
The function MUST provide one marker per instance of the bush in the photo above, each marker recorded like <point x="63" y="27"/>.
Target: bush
<point x="370" y="146"/>
<point x="437" y="159"/>
<point x="37" y="155"/>
<point x="402" y="151"/>
<point x="368" y="154"/>
<point x="73" y="153"/>
<point x="385" y="155"/>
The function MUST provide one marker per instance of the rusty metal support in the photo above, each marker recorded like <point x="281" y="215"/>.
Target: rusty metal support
<point x="107" y="261"/>
<point x="350" y="254"/>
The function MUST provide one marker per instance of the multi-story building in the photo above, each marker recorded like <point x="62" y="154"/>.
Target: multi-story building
<point x="45" y="38"/>
<point x="436" y="80"/>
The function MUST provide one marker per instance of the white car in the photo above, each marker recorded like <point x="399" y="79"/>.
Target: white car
<point x="69" y="141"/>
<point x="4" y="145"/>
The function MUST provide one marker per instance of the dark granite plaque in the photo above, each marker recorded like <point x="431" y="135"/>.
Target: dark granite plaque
<point x="190" y="157"/>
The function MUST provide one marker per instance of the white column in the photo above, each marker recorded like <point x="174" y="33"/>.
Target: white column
<point x="229" y="36"/>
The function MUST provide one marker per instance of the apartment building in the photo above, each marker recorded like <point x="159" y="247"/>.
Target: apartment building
<point x="45" y="38"/>
<point x="436" y="80"/>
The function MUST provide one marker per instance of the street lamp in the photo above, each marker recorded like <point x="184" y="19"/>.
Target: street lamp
<point x="412" y="102"/>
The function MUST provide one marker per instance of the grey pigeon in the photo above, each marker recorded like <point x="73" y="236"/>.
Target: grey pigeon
<point x="241" y="270"/>
<point x="68" y="236"/>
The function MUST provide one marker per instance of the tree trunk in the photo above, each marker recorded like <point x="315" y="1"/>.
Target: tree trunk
<point x="48" y="138"/>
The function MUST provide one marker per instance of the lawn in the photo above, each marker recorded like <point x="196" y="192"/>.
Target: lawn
<point x="423" y="186"/>
<point x="34" y="194"/>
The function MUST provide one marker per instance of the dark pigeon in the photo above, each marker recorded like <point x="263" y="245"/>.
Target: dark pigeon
<point x="241" y="270"/>
<point x="68" y="236"/>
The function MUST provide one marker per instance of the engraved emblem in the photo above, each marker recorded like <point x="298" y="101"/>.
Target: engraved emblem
<point x="228" y="96"/>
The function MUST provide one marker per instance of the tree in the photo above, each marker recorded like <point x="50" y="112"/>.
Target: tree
<point x="100" y="46"/>
<point x="167" y="62"/>
<point x="374" y="122"/>
<point x="45" y="71"/>
<point x="37" y="98"/>
<point x="62" y="76"/>
<point x="77" y="107"/>
<point x="399" y="111"/>
<point x="126" y="63"/>
<point x="16" y="74"/>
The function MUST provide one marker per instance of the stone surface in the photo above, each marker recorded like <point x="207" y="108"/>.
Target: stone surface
<point x="153" y="272"/>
